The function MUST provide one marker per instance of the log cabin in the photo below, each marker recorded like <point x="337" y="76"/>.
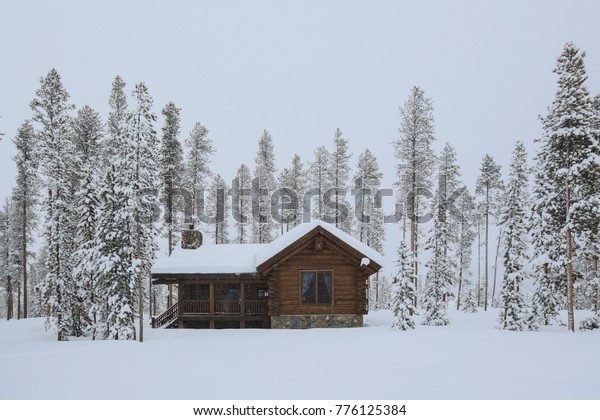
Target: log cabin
<point x="312" y="276"/>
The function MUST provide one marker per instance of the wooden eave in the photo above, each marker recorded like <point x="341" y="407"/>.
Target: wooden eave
<point x="175" y="278"/>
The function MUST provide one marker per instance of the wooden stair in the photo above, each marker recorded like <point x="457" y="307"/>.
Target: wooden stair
<point x="167" y="318"/>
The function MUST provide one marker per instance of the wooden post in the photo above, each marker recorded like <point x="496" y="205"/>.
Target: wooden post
<point x="212" y="305"/>
<point x="180" y="306"/>
<point x="243" y="304"/>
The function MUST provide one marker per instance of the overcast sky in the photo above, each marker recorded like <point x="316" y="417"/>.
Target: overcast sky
<point x="300" y="69"/>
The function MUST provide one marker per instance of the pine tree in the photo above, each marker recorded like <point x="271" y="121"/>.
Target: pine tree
<point x="242" y="203"/>
<point x="370" y="227"/>
<point x="404" y="291"/>
<point x="340" y="177"/>
<point x="441" y="267"/>
<point x="171" y="168"/>
<point x="489" y="186"/>
<point x="117" y="250"/>
<point x="219" y="207"/>
<point x="415" y="159"/>
<point x="513" y="219"/>
<point x="199" y="151"/>
<point x="25" y="197"/>
<point x="284" y="203"/>
<point x="144" y="145"/>
<point x="449" y="180"/>
<point x="569" y="172"/>
<point x="6" y="238"/>
<point x="264" y="173"/>
<point x="470" y="301"/>
<point x="466" y="236"/>
<point x="85" y="258"/>
<point x="320" y="181"/>
<point x="51" y="112"/>
<point x="116" y="119"/>
<point x="294" y="180"/>
<point x="87" y="131"/>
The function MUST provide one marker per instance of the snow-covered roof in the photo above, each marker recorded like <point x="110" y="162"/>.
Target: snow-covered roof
<point x="244" y="258"/>
<point x="299" y="231"/>
<point x="209" y="259"/>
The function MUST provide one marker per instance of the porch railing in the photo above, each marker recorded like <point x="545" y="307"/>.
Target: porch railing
<point x="196" y="306"/>
<point x="256" y="307"/>
<point x="166" y="317"/>
<point x="253" y="307"/>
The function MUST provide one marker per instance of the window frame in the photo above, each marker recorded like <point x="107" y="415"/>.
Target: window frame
<point x="316" y="273"/>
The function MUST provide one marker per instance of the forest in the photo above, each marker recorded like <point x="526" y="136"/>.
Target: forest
<point x="109" y="194"/>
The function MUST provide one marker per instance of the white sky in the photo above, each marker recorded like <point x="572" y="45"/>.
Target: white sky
<point x="303" y="68"/>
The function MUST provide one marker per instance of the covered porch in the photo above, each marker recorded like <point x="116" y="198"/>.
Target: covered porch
<point x="216" y="301"/>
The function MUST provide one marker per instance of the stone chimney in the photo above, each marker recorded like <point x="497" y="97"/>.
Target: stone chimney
<point x="191" y="238"/>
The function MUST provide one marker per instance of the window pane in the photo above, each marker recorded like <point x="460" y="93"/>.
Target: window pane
<point x="308" y="287"/>
<point x="324" y="286"/>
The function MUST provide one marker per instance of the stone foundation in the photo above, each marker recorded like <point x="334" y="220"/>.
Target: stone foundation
<point x="316" y="321"/>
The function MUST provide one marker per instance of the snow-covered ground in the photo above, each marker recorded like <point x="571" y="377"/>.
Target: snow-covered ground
<point x="469" y="359"/>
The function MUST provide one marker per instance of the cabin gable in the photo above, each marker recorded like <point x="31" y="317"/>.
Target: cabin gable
<point x="316" y="282"/>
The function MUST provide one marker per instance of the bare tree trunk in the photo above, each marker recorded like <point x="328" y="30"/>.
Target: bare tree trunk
<point x="597" y="300"/>
<point x="570" y="304"/>
<point x="487" y="237"/>
<point x="478" y="262"/>
<point x="24" y="246"/>
<point x="460" y="276"/>
<point x="18" y="299"/>
<point x="496" y="265"/>
<point x="150" y="296"/>
<point x="9" y="299"/>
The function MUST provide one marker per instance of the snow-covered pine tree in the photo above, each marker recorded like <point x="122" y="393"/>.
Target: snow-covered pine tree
<point x="514" y="221"/>
<point x="117" y="250"/>
<point x="25" y="197"/>
<point x="294" y="179"/>
<point x="370" y="228"/>
<point x="464" y="243"/>
<point x="547" y="248"/>
<point x="171" y="169"/>
<point x="416" y="160"/>
<point x="86" y="273"/>
<point x="284" y="203"/>
<point x="144" y="147"/>
<point x="298" y="184"/>
<point x="403" y="287"/>
<point x="51" y="111"/>
<point x="470" y="301"/>
<point x="489" y="186"/>
<point x="219" y="206"/>
<point x="449" y="176"/>
<point x="570" y="161"/>
<point x="87" y="131"/>
<point x="6" y="288"/>
<point x="441" y="267"/>
<point x="264" y="173"/>
<point x="199" y="150"/>
<point x="340" y="178"/>
<point x="116" y="120"/>
<point x="320" y="181"/>
<point x="242" y="204"/>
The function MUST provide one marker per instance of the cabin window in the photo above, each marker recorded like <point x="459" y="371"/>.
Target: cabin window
<point x="316" y="287"/>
